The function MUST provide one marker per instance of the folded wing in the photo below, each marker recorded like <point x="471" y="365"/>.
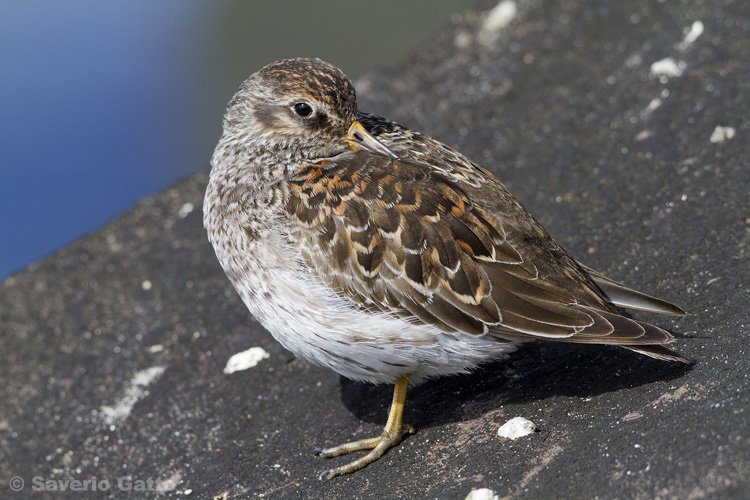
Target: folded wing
<point x="419" y="241"/>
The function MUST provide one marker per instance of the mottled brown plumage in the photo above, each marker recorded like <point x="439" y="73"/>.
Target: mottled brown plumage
<point x="386" y="255"/>
<point x="440" y="239"/>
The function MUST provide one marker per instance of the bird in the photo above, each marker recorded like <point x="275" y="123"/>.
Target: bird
<point x="386" y="255"/>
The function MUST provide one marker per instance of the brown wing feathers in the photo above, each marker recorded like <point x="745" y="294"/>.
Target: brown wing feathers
<point x="425" y="249"/>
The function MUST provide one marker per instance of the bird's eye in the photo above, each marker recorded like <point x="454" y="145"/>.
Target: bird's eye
<point x="302" y="109"/>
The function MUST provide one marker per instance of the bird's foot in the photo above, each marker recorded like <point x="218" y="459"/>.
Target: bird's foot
<point x="377" y="446"/>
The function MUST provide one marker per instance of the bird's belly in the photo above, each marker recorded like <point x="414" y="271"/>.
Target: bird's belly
<point x="319" y="325"/>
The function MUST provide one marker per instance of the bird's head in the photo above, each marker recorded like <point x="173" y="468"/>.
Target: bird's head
<point x="304" y="107"/>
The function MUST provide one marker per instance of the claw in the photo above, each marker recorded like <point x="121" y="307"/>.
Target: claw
<point x="326" y="474"/>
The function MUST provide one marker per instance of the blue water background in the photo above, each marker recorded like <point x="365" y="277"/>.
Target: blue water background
<point x="103" y="103"/>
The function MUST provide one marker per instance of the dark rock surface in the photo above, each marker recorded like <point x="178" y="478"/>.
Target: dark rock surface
<point x="113" y="349"/>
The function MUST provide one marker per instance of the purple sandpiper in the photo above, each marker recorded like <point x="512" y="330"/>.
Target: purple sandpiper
<point x="386" y="255"/>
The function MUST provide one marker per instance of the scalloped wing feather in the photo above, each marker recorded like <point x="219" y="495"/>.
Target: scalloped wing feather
<point x="424" y="243"/>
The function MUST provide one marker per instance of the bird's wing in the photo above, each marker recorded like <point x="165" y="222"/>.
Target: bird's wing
<point x="416" y="240"/>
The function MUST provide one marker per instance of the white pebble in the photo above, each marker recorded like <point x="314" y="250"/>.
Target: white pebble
<point x="481" y="494"/>
<point x="667" y="67"/>
<point x="516" y="427"/>
<point x="245" y="359"/>
<point x="696" y="30"/>
<point x="185" y="210"/>
<point x="721" y="134"/>
<point x="500" y="16"/>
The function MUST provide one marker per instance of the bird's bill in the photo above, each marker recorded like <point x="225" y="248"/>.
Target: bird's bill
<point x="359" y="138"/>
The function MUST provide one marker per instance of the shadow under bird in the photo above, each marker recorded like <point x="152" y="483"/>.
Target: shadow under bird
<point x="386" y="255"/>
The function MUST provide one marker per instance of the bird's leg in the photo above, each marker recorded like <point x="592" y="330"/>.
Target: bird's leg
<point x="391" y="436"/>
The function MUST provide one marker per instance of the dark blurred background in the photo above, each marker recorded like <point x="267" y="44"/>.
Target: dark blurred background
<point x="103" y="103"/>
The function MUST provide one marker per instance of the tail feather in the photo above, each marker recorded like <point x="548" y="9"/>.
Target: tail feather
<point x="658" y="352"/>
<point x="624" y="296"/>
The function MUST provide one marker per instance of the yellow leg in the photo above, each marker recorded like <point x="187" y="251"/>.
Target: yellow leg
<point x="391" y="436"/>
